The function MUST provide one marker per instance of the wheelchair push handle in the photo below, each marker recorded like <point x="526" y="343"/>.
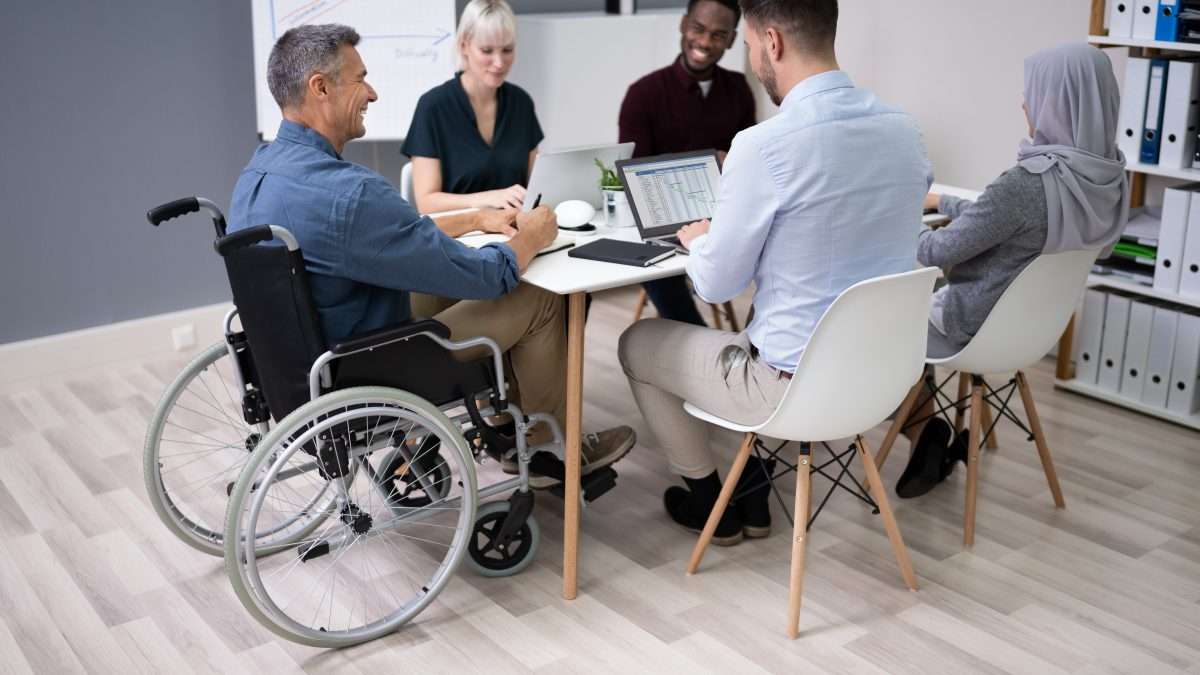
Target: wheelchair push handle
<point x="180" y="207"/>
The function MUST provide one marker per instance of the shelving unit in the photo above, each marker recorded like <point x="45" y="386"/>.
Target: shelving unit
<point x="1065" y="372"/>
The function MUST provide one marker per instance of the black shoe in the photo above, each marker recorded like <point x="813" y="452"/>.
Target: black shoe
<point x="957" y="452"/>
<point x="753" y="504"/>
<point x="925" y="465"/>
<point x="689" y="508"/>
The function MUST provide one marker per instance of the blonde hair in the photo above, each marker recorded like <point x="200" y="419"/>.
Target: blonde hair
<point x="485" y="18"/>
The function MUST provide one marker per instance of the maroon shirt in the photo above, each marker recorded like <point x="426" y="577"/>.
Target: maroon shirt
<point x="665" y="112"/>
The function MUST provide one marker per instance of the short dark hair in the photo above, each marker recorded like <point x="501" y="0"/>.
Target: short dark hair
<point x="811" y="23"/>
<point x="731" y="5"/>
<point x="302" y="51"/>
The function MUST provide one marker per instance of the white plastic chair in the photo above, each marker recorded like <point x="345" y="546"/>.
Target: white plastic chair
<point x="1027" y="320"/>
<point x="406" y="184"/>
<point x="862" y="357"/>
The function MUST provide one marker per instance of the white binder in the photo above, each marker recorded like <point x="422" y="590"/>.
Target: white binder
<point x="1158" y="359"/>
<point x="1177" y="203"/>
<point x="1180" y="115"/>
<point x="1120" y="18"/>
<point x="1182" y="398"/>
<point x="1112" y="344"/>
<point x="1133" y="108"/>
<point x="1189" y="262"/>
<point x="1091" y="330"/>
<point x="1145" y="19"/>
<point x="1137" y="348"/>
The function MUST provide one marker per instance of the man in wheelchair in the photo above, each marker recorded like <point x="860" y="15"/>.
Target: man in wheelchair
<point x="365" y="248"/>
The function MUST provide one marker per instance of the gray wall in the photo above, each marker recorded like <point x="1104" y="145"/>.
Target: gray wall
<point x="113" y="107"/>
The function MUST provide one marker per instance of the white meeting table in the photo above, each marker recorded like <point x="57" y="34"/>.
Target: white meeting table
<point x="575" y="278"/>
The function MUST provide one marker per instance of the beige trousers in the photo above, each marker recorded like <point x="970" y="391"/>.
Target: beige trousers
<point x="528" y="324"/>
<point x="668" y="362"/>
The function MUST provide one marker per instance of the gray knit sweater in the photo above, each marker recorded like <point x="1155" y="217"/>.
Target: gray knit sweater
<point x="986" y="245"/>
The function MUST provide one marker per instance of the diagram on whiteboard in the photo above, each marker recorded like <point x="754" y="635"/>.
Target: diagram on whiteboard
<point x="677" y="194"/>
<point x="407" y="46"/>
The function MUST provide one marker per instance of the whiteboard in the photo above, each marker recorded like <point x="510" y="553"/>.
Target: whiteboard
<point x="407" y="45"/>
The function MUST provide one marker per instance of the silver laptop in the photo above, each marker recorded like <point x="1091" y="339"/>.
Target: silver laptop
<point x="667" y="192"/>
<point x="571" y="173"/>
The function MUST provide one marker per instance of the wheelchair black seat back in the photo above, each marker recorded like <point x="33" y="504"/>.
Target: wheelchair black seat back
<point x="271" y="290"/>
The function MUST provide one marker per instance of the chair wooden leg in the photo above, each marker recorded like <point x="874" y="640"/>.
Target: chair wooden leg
<point x="898" y="423"/>
<point x="1039" y="438"/>
<point x="799" y="539"/>
<point x="732" y="316"/>
<point x="714" y="517"/>
<point x="960" y="409"/>
<point x="717" y="323"/>
<point x="640" y="306"/>
<point x="879" y="494"/>
<point x="972" y="464"/>
<point x="990" y="440"/>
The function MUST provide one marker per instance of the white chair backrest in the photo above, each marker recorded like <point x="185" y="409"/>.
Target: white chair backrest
<point x="863" y="357"/>
<point x="1029" y="317"/>
<point x="406" y="184"/>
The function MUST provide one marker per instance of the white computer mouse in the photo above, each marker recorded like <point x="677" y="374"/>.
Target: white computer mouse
<point x="574" y="213"/>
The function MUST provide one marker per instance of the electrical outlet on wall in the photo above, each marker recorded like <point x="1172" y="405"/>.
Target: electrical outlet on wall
<point x="183" y="337"/>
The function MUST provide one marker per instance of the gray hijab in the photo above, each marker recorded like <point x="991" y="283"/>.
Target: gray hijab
<point x="1073" y="102"/>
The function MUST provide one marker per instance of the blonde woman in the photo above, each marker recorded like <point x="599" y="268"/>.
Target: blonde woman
<point x="473" y="139"/>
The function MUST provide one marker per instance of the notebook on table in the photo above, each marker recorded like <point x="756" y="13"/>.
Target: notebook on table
<point x="636" y="254"/>
<point x="479" y="240"/>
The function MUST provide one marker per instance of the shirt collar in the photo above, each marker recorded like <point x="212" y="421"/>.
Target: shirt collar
<point x="298" y="133"/>
<point x="684" y="78"/>
<point x="816" y="84"/>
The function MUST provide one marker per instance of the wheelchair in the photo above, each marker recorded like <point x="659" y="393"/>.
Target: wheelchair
<point x="338" y="481"/>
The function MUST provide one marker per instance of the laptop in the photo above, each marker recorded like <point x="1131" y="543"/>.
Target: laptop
<point x="667" y="192"/>
<point x="571" y="173"/>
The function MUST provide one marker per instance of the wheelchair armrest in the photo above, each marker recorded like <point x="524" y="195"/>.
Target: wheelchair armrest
<point x="382" y="336"/>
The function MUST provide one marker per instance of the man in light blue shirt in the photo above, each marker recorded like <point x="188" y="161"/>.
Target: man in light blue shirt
<point x="825" y="194"/>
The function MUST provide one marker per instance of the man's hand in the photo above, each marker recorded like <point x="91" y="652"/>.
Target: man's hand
<point x="932" y="200"/>
<point x="688" y="233"/>
<point x="509" y="197"/>
<point x="536" y="230"/>
<point x="721" y="154"/>
<point x="496" y="220"/>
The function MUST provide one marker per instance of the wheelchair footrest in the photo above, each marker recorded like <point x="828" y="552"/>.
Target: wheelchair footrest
<point x="592" y="485"/>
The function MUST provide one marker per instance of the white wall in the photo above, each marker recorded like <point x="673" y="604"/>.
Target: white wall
<point x="957" y="66"/>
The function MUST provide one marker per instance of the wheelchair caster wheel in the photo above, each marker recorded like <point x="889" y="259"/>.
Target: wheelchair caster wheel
<point x="483" y="554"/>
<point x="419" y="484"/>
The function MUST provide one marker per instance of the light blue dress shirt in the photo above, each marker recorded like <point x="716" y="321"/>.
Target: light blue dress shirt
<point x="825" y="194"/>
<point x="364" y="247"/>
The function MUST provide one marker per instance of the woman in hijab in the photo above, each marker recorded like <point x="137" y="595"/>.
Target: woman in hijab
<point x="1067" y="192"/>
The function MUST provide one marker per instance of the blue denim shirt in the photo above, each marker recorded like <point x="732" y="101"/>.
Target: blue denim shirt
<point x="824" y="195"/>
<point x="365" y="247"/>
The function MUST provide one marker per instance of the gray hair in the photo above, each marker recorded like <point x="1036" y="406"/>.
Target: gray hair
<point x="302" y="51"/>
<point x="487" y="19"/>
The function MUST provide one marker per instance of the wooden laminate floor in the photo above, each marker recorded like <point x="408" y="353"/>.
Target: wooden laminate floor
<point x="90" y="581"/>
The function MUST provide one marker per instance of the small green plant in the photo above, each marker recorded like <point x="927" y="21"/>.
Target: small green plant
<point x="608" y="178"/>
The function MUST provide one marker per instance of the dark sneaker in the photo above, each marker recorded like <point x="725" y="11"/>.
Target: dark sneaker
<point x="753" y="495"/>
<point x="925" y="465"/>
<point x="684" y="508"/>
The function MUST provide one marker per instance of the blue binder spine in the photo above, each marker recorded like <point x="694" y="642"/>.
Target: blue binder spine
<point x="1167" y="27"/>
<point x="1155" y="98"/>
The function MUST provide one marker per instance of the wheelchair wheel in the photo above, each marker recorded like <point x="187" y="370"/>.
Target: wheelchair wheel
<point x="196" y="445"/>
<point x="374" y="562"/>
<point x="489" y="561"/>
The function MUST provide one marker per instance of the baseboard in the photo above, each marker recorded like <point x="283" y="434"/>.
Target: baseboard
<point x="64" y="354"/>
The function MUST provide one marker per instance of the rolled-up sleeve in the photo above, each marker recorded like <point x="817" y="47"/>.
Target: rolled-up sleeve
<point x="389" y="244"/>
<point x="722" y="263"/>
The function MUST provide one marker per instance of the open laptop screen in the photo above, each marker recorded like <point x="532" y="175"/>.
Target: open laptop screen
<point x="667" y="192"/>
